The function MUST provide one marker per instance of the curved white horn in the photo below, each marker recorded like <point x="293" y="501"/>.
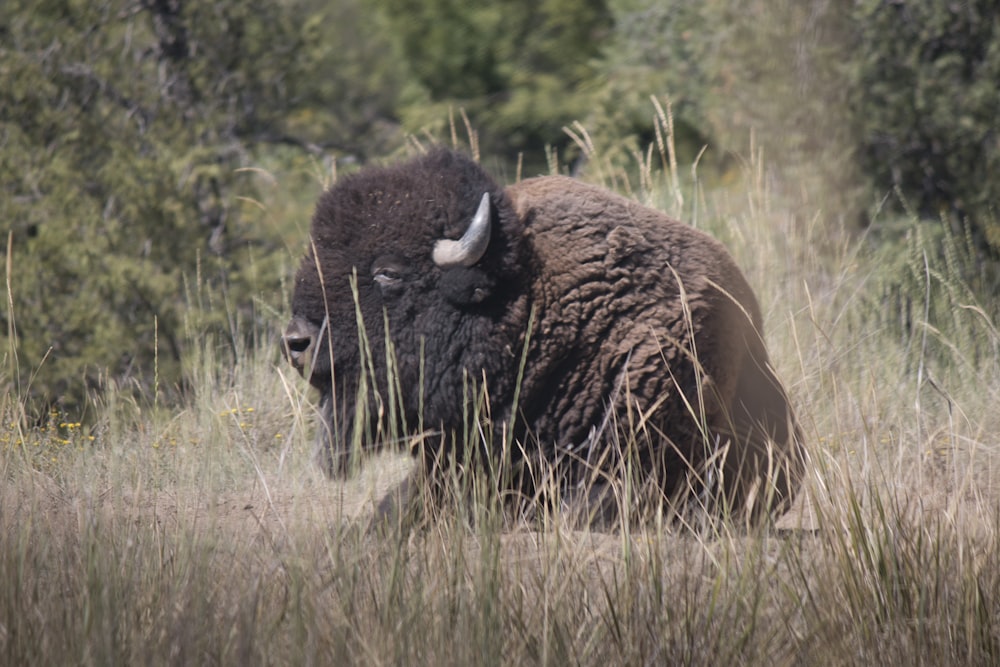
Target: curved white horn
<point x="467" y="250"/>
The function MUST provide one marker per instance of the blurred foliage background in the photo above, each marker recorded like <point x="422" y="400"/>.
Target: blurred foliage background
<point x="159" y="158"/>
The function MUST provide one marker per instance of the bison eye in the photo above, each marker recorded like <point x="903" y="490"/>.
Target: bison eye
<point x="388" y="278"/>
<point x="387" y="273"/>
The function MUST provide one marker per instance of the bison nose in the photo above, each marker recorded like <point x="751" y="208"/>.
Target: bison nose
<point x="297" y="342"/>
<point x="296" y="348"/>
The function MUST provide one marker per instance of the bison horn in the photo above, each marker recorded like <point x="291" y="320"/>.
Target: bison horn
<point x="470" y="248"/>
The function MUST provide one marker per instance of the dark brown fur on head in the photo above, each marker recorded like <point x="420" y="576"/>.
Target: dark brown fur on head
<point x="374" y="232"/>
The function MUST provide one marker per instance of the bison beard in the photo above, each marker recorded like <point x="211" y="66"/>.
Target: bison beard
<point x="588" y="320"/>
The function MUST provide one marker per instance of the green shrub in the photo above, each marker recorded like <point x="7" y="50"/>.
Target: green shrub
<point x="521" y="69"/>
<point x="121" y="145"/>
<point x="927" y="106"/>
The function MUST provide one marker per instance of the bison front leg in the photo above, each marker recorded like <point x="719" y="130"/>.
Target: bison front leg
<point x="400" y="505"/>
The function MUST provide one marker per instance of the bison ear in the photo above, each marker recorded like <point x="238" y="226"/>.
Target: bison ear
<point x="466" y="286"/>
<point x="469" y="249"/>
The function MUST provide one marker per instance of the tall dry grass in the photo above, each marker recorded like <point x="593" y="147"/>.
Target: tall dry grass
<point x="201" y="533"/>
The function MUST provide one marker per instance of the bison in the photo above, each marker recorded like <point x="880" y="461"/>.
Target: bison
<point x="603" y="336"/>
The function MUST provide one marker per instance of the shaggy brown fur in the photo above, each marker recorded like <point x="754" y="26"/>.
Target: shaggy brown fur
<point x="641" y="326"/>
<point x="639" y="308"/>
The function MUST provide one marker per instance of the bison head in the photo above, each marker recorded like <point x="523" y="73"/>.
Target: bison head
<point x="413" y="280"/>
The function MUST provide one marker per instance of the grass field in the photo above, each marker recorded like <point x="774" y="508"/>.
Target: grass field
<point x="202" y="533"/>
